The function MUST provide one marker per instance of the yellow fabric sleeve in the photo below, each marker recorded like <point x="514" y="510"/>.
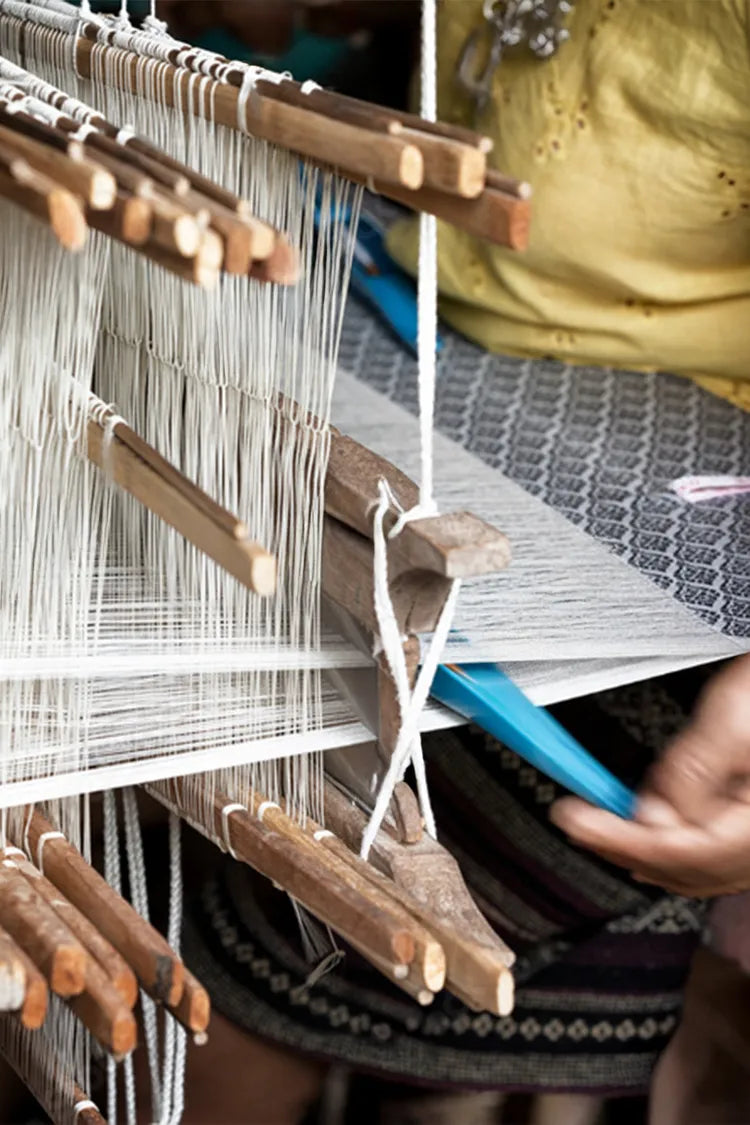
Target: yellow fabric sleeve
<point x="636" y="140"/>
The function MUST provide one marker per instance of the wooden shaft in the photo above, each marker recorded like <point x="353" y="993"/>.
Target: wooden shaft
<point x="34" y="1008"/>
<point x="130" y="219"/>
<point x="89" y="1115"/>
<point x="194" y="1008"/>
<point x="106" y="956"/>
<point x="498" y="181"/>
<point x="337" y="107"/>
<point x="332" y="143"/>
<point x="427" y="966"/>
<point x="170" y="177"/>
<point x="71" y="170"/>
<point x="478" y="962"/>
<point x="45" y="200"/>
<point x="445" y="129"/>
<point x="449" y="165"/>
<point x="419" y="944"/>
<point x="245" y="238"/>
<point x="12" y="975"/>
<point x="307" y="877"/>
<point x="403" y="976"/>
<point x="159" y="970"/>
<point x="145" y="474"/>
<point x="497" y="216"/>
<point x="101" y="1009"/>
<point x="174" y="228"/>
<point x="41" y="933"/>
<point x="281" y="267"/>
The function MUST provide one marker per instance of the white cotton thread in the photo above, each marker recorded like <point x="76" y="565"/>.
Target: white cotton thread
<point x="264" y="806"/>
<point x="84" y="1104"/>
<point x="45" y="836"/>
<point x="330" y="962"/>
<point x="322" y="834"/>
<point x="125" y="134"/>
<point x="309" y="87"/>
<point x="226" y="812"/>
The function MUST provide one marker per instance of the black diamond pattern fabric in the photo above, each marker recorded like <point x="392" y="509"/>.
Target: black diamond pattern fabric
<point x="600" y="446"/>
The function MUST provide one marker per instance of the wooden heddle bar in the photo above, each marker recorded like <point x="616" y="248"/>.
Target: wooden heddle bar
<point x="434" y="167"/>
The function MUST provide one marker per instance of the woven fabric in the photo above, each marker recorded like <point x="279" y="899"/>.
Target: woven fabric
<point x="600" y="446"/>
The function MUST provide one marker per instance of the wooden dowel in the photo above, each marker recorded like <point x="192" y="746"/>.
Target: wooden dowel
<point x="159" y="970"/>
<point x="350" y="111"/>
<point x="194" y="1009"/>
<point x="494" y="215"/>
<point x="34" y="1009"/>
<point x="245" y="238"/>
<point x="174" y="228"/>
<point x="106" y="956"/>
<point x="172" y="178"/>
<point x="281" y="267"/>
<point x="12" y="975"/>
<point x="145" y="474"/>
<point x="428" y="965"/>
<point x="70" y="169"/>
<point x="192" y="269"/>
<point x="86" y="1113"/>
<point x="101" y="1009"/>
<point x="401" y="975"/>
<point x="45" y="200"/>
<point x="41" y="933"/>
<point x="311" y="135"/>
<point x="450" y="165"/>
<point x="498" y="181"/>
<point x="306" y="877"/>
<point x="129" y="220"/>
<point x="445" y="129"/>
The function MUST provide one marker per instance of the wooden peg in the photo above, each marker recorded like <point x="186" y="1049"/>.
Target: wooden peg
<point x="145" y="474"/>
<point x="101" y="1009"/>
<point x="36" y="998"/>
<point x="159" y="970"/>
<point x="45" y="200"/>
<point x="12" y="975"/>
<point x="129" y="220"/>
<point x="281" y="267"/>
<point x="174" y="228"/>
<point x="39" y="931"/>
<point x="402" y="976"/>
<point x="85" y="1111"/>
<point x="194" y="1009"/>
<point x="70" y="169"/>
<point x="114" y="966"/>
<point x="449" y="165"/>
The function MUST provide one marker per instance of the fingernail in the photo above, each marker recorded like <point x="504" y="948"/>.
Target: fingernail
<point x="655" y="810"/>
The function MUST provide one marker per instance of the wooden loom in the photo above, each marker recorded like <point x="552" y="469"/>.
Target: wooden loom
<point x="408" y="911"/>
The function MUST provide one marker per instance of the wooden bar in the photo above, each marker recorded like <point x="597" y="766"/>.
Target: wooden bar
<point x="456" y="545"/>
<point x="130" y="219"/>
<point x="39" y="931"/>
<point x="145" y="474"/>
<point x="310" y="135"/>
<point x="281" y="267"/>
<point x="34" y="1009"/>
<point x="55" y="206"/>
<point x="428" y="966"/>
<point x="194" y="1009"/>
<point x="114" y="966"/>
<point x="70" y="169"/>
<point x="496" y="216"/>
<point x="478" y="961"/>
<point x="307" y="877"/>
<point x="159" y="970"/>
<point x="101" y="1009"/>
<point x="449" y="165"/>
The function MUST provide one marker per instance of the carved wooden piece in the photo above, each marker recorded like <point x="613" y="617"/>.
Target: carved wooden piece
<point x="478" y="961"/>
<point x="12" y="975"/>
<point x="140" y="470"/>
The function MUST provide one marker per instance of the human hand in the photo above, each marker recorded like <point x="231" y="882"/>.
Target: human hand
<point x="691" y="834"/>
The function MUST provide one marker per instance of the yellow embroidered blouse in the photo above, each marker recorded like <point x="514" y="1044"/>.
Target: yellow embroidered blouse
<point x="636" y="140"/>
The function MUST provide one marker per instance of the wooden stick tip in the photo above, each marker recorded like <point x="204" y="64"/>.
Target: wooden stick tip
<point x="505" y="993"/>
<point x="411" y="167"/>
<point x="403" y="947"/>
<point x="263" y="574"/>
<point x="68" y="970"/>
<point x="103" y="190"/>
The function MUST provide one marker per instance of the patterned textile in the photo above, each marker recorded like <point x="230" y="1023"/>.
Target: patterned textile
<point x="602" y="961"/>
<point x="599" y="446"/>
